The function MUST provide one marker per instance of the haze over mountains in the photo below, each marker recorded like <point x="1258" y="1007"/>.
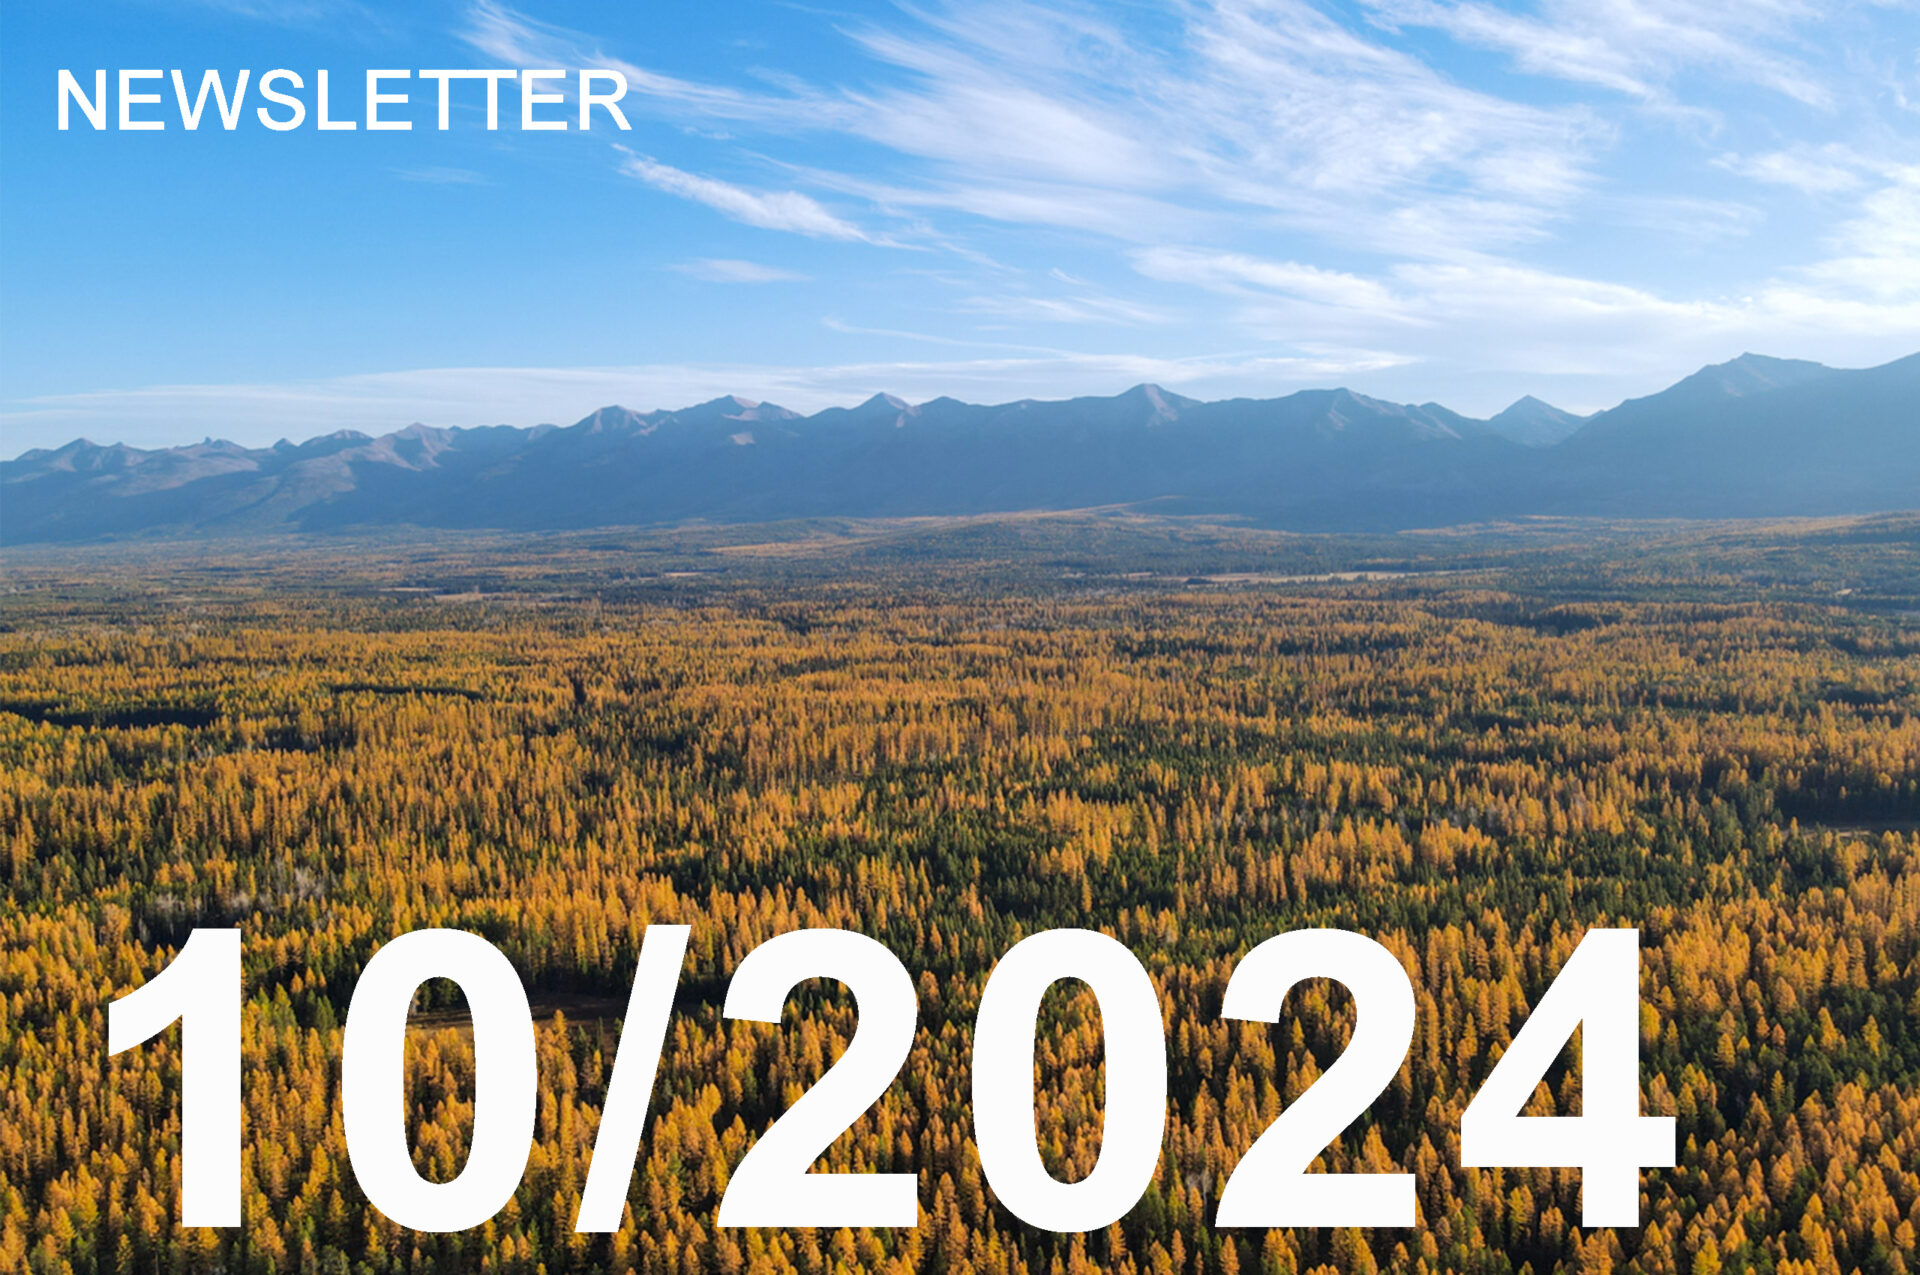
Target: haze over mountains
<point x="1754" y="437"/>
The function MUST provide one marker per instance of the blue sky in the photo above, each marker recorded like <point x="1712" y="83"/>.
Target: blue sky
<point x="1458" y="200"/>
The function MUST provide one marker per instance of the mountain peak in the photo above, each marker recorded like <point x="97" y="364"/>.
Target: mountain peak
<point x="611" y="417"/>
<point x="728" y="403"/>
<point x="1534" y="422"/>
<point x="1164" y="404"/>
<point x="876" y="409"/>
<point x="1755" y="374"/>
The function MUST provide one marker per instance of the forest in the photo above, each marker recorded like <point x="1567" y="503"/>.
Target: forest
<point x="1469" y="748"/>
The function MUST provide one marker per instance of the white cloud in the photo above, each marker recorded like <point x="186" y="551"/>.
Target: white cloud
<point x="1236" y="272"/>
<point x="1679" y="219"/>
<point x="513" y="39"/>
<point x="1038" y="114"/>
<point x="1021" y="115"/>
<point x="1875" y="258"/>
<point x="1247" y="118"/>
<point x="1075" y="309"/>
<point x="1306" y="114"/>
<point x="730" y="270"/>
<point x="1815" y="170"/>
<point x="302" y="13"/>
<point x="1250" y="107"/>
<point x="770" y="210"/>
<point x="1632" y="46"/>
<point x="1121" y="215"/>
<point x="1492" y="313"/>
<point x="435" y="175"/>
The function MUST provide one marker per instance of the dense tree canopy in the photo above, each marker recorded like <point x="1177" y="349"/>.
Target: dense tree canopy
<point x="1470" y="777"/>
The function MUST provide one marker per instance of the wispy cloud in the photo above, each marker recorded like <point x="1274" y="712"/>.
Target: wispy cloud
<point x="512" y="38"/>
<point x="1815" y="170"/>
<point x="1306" y="113"/>
<point x="1632" y="46"/>
<point x="437" y="176"/>
<point x="1237" y="272"/>
<point x="1085" y="308"/>
<point x="1875" y="256"/>
<point x="1680" y="220"/>
<point x="302" y="13"/>
<point x="787" y="210"/>
<point x="730" y="270"/>
<point x="1248" y="108"/>
<point x="833" y="323"/>
<point x="1039" y="114"/>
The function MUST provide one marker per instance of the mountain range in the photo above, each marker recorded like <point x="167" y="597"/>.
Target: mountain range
<point x="1754" y="437"/>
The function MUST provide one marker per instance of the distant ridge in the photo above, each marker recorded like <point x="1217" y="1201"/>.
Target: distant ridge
<point x="1754" y="436"/>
